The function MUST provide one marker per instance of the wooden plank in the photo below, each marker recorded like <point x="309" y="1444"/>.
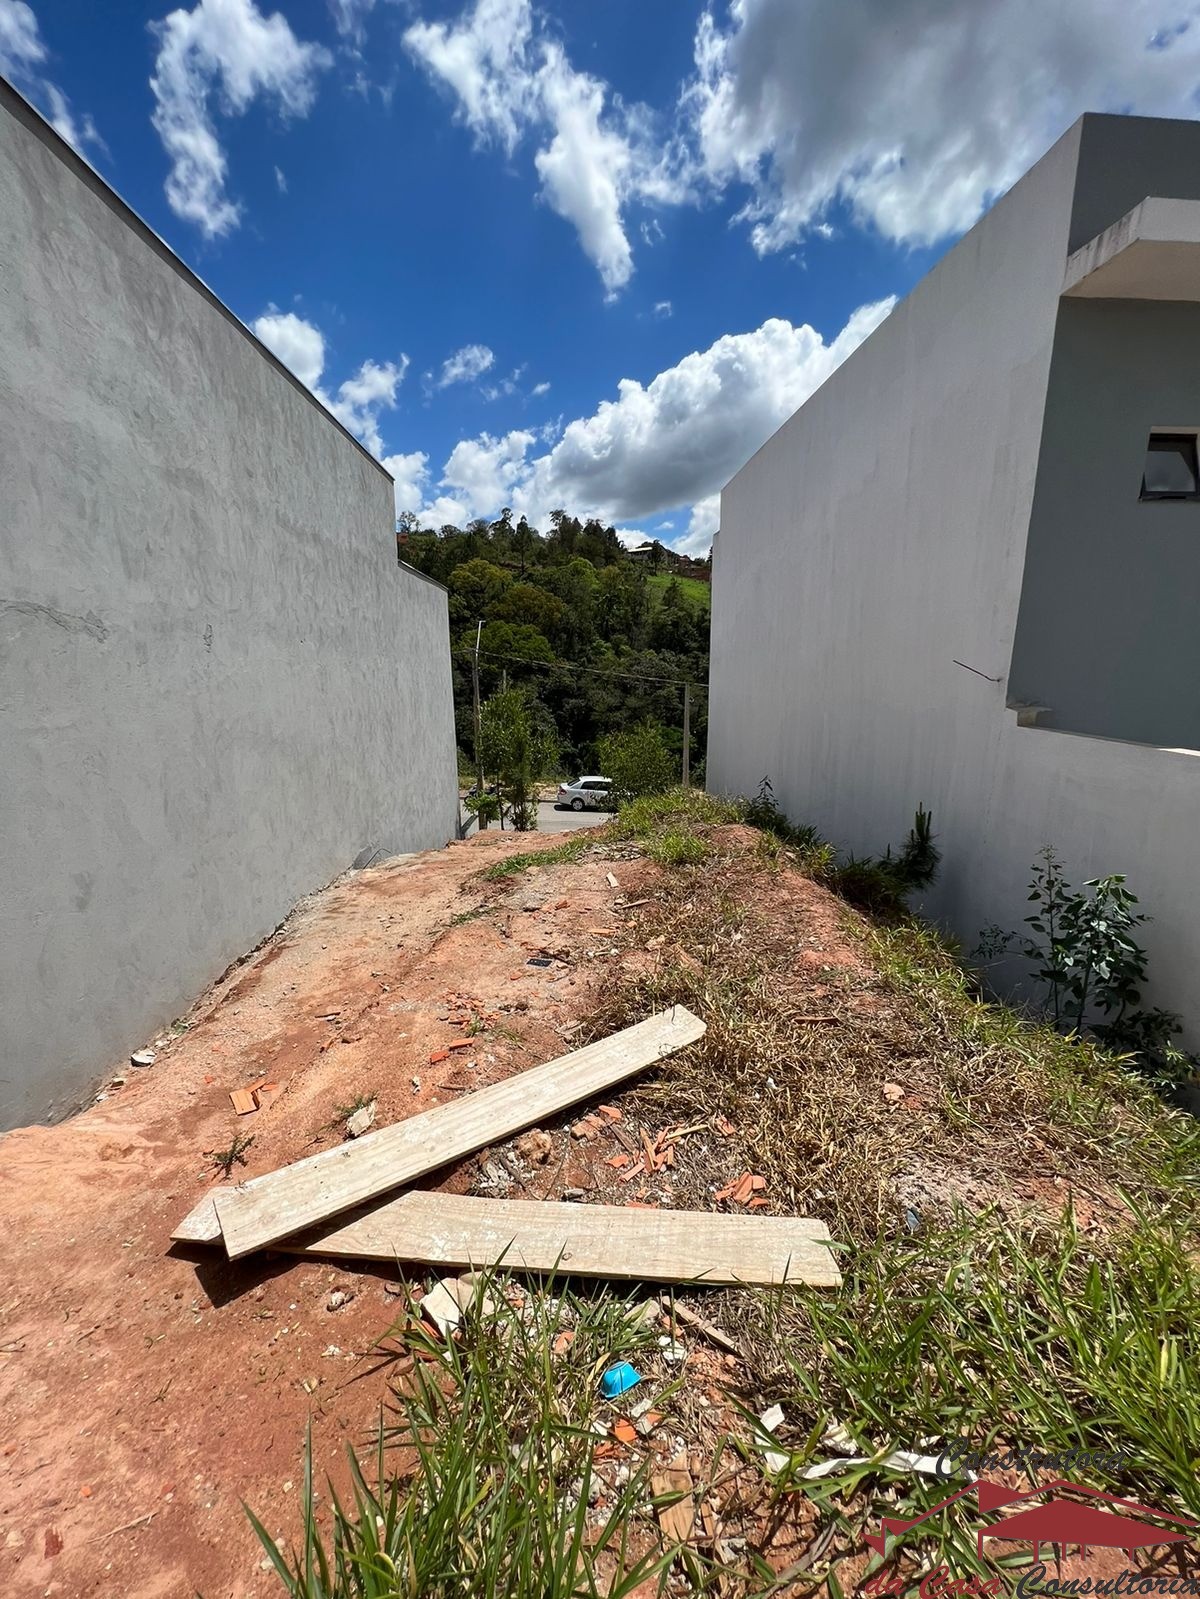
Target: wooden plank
<point x="266" y="1209"/>
<point x="664" y="1246"/>
<point x="675" y="1517"/>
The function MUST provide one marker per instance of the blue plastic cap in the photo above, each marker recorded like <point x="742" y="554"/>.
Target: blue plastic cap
<point x="619" y="1379"/>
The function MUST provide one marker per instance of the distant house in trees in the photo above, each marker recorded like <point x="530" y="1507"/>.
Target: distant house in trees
<point x="654" y="555"/>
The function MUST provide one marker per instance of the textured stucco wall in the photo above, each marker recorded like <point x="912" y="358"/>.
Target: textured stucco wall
<point x="217" y="688"/>
<point x="880" y="536"/>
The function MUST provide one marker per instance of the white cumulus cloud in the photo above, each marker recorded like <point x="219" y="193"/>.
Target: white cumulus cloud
<point x="357" y="402"/>
<point x="227" y="51"/>
<point x="481" y="471"/>
<point x="297" y="343"/>
<point x="465" y="365"/>
<point x="915" y="115"/>
<point x="410" y="473"/>
<point x="22" y="54"/>
<point x="673" y="442"/>
<point x="596" y="156"/>
<point x="680" y="437"/>
<point x="360" y="399"/>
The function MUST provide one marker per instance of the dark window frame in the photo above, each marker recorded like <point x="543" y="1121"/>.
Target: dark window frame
<point x="1173" y="441"/>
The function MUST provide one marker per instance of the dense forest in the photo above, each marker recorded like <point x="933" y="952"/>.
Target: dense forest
<point x="600" y="640"/>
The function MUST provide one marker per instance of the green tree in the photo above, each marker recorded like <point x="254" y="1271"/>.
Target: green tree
<point x="475" y="588"/>
<point x="526" y="602"/>
<point x="637" y="762"/>
<point x="621" y="603"/>
<point x="574" y="583"/>
<point x="525" y="540"/>
<point x="519" y="747"/>
<point x="503" y="646"/>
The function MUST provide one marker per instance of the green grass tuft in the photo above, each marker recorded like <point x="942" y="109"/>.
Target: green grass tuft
<point x="677" y="807"/>
<point x="513" y="865"/>
<point x="1005" y="1337"/>
<point x="495" y="1433"/>
<point x="677" y="847"/>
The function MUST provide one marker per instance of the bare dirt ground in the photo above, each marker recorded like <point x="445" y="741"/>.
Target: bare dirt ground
<point x="145" y="1395"/>
<point x="148" y="1395"/>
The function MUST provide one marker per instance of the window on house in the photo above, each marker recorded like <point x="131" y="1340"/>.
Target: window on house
<point x="1171" y="471"/>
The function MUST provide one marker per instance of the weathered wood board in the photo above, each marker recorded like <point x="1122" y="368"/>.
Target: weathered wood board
<point x="266" y="1209"/>
<point x="666" y="1246"/>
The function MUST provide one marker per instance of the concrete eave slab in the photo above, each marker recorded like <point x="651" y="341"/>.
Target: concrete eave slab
<point x="1153" y="253"/>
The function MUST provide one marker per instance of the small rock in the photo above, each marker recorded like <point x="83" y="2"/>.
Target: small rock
<point x="142" y="1058"/>
<point x="674" y="1354"/>
<point x="337" y="1299"/>
<point x="644" y="1315"/>
<point x="573" y="1194"/>
<point x="836" y="1437"/>
<point x="535" y="1147"/>
<point x="448" y="1301"/>
<point x="441" y="1307"/>
<point x="362" y="1121"/>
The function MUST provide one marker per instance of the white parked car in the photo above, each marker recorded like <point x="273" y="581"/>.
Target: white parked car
<point x="586" y="794"/>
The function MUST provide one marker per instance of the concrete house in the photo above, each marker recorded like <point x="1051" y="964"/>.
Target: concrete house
<point x="967" y="572"/>
<point x="218" y="689"/>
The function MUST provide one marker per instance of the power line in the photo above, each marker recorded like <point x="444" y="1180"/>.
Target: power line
<point x="572" y="666"/>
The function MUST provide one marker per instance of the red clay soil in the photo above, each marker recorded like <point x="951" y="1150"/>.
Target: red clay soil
<point x="145" y="1394"/>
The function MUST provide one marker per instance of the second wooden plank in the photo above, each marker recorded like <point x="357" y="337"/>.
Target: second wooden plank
<point x="663" y="1246"/>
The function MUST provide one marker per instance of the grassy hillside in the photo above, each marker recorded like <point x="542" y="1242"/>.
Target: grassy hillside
<point x="694" y="591"/>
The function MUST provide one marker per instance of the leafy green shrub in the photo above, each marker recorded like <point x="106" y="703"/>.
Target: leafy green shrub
<point x="763" y="811"/>
<point x="517" y="743"/>
<point x="485" y="807"/>
<point x="637" y="763"/>
<point x="881" y="884"/>
<point x="1091" y="967"/>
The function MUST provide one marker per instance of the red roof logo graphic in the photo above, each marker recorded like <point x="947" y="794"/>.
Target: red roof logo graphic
<point x="1059" y="1522"/>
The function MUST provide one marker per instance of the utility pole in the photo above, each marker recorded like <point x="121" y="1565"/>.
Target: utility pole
<point x="478" y="730"/>
<point x="687" y="735"/>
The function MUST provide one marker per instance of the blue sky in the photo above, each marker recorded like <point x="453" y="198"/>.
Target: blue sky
<point x="585" y="254"/>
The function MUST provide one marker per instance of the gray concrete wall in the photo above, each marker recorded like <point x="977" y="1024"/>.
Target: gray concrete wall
<point x="880" y="536"/>
<point x="1124" y="159"/>
<point x="1108" y="634"/>
<point x="217" y="688"/>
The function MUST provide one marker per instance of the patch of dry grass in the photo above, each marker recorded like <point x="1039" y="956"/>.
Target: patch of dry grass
<point x="860" y="1068"/>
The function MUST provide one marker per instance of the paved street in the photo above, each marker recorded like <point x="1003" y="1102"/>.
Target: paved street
<point x="555" y="821"/>
<point x="552" y="820"/>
